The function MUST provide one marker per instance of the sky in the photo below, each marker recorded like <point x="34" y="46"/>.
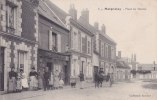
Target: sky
<point x="135" y="31"/>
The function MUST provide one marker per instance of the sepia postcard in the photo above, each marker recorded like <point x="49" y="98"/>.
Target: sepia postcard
<point x="78" y="49"/>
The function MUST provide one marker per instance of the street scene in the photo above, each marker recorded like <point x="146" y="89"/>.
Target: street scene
<point x="130" y="90"/>
<point x="78" y="50"/>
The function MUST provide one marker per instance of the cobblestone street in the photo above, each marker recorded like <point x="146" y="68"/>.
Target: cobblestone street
<point x="134" y="90"/>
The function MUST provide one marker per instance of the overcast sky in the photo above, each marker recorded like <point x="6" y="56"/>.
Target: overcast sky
<point x="135" y="31"/>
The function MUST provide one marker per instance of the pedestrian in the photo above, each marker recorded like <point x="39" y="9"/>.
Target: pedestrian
<point x="51" y="81"/>
<point x="101" y="76"/>
<point x="81" y="79"/>
<point x="61" y="75"/>
<point x="46" y="79"/>
<point x="61" y="84"/>
<point x="33" y="79"/>
<point x="12" y="80"/>
<point x="96" y="79"/>
<point x="56" y="79"/>
<point x="40" y="78"/>
<point x="24" y="80"/>
<point x="19" y="82"/>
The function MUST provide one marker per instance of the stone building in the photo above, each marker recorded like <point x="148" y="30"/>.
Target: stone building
<point x="80" y="42"/>
<point x="53" y="42"/>
<point x="107" y="50"/>
<point x="18" y="38"/>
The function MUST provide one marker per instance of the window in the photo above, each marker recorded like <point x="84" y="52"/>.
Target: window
<point x="10" y="18"/>
<point x="102" y="49"/>
<point x="75" y="42"/>
<point x="84" y="44"/>
<point x="21" y="59"/>
<point x="89" y="47"/>
<point x="106" y="51"/>
<point x="54" y="41"/>
<point x="112" y="53"/>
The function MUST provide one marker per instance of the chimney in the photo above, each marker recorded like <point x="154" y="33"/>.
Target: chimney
<point x="154" y="65"/>
<point x="135" y="57"/>
<point x="119" y="54"/>
<point x="103" y="29"/>
<point x="84" y="18"/>
<point x="96" y="25"/>
<point x="73" y="12"/>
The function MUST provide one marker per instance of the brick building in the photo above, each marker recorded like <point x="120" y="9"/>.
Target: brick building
<point x="18" y="38"/>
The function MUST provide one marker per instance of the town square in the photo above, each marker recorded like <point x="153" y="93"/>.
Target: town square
<point x="71" y="50"/>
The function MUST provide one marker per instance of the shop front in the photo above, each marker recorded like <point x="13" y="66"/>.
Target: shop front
<point x="54" y="61"/>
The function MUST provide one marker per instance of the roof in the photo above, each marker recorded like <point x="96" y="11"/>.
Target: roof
<point x="45" y="11"/>
<point x="58" y="11"/>
<point x="110" y="39"/>
<point x="62" y="15"/>
<point x="122" y="64"/>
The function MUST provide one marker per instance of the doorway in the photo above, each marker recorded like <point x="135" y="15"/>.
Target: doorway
<point x="50" y="67"/>
<point x="1" y="69"/>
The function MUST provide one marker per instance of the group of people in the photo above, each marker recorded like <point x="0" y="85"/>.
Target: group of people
<point x="18" y="80"/>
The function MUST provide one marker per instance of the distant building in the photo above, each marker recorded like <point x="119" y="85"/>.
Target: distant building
<point x="147" y="71"/>
<point x="123" y="68"/>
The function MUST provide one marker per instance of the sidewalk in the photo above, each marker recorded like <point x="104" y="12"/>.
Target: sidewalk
<point x="31" y="94"/>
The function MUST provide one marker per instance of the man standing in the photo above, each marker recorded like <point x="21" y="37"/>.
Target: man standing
<point x="81" y="79"/>
<point x="46" y="79"/>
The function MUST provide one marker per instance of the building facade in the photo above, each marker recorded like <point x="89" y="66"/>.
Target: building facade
<point x="18" y="45"/>
<point x="107" y="53"/>
<point x="53" y="42"/>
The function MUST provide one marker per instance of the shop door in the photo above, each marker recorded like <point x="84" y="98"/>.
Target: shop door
<point x="1" y="69"/>
<point x="50" y="67"/>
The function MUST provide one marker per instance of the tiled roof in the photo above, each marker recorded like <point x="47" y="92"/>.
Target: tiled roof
<point x="44" y="10"/>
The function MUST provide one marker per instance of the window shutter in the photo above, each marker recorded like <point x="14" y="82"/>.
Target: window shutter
<point x="50" y="39"/>
<point x="59" y="42"/>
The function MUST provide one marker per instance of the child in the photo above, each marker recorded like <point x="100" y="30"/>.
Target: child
<point x="61" y="83"/>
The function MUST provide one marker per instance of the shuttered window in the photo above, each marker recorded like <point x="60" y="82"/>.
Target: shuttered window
<point x="50" y="39"/>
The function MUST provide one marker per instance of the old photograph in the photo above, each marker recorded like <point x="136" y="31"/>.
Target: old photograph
<point x="78" y="49"/>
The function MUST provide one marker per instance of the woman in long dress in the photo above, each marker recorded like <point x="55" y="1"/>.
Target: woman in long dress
<point x="18" y="82"/>
<point x="56" y="79"/>
<point x="24" y="80"/>
<point x="51" y="82"/>
<point x="12" y="80"/>
<point x="33" y="79"/>
<point x="40" y="79"/>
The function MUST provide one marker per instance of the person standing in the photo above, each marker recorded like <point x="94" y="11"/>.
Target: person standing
<point x="81" y="79"/>
<point x="56" y="79"/>
<point x="46" y="79"/>
<point x="12" y="80"/>
<point x="24" y="80"/>
<point x="18" y="82"/>
<point x="33" y="79"/>
<point x="51" y="81"/>
<point x="96" y="79"/>
<point x="40" y="78"/>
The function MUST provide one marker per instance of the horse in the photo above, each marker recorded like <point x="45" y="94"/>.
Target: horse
<point x="100" y="77"/>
